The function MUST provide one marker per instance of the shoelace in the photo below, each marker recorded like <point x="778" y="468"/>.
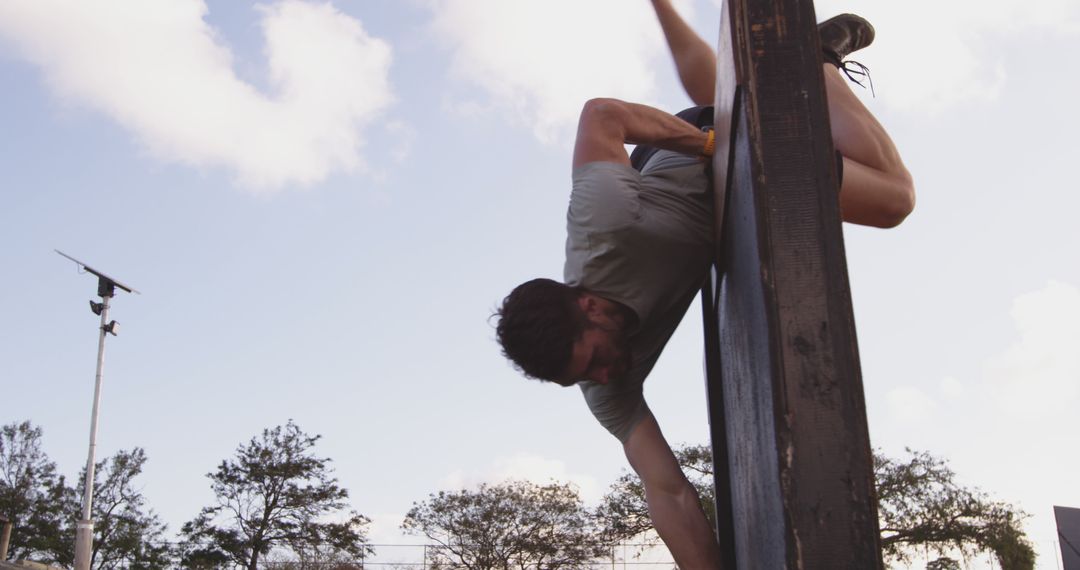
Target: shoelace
<point x="853" y="68"/>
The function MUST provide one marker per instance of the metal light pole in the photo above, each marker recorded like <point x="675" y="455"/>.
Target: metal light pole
<point x="84" y="534"/>
<point x="5" y="537"/>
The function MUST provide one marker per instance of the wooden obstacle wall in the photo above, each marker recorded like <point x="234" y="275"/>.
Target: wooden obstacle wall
<point x="793" y="464"/>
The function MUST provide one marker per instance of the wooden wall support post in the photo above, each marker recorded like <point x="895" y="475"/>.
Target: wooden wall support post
<point x="792" y="452"/>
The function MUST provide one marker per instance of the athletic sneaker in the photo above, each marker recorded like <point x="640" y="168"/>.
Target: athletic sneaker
<point x="843" y="35"/>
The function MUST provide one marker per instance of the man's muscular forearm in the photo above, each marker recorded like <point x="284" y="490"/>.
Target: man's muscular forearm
<point x="674" y="505"/>
<point x="606" y="124"/>
<point x="682" y="525"/>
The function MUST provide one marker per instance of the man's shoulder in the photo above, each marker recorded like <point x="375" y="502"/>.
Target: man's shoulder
<point x="617" y="407"/>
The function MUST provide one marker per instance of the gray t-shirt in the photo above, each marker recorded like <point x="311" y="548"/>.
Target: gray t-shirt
<point x="644" y="240"/>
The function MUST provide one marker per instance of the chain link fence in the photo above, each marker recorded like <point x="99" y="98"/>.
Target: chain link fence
<point x="423" y="557"/>
<point x="426" y="557"/>
<point x="629" y="556"/>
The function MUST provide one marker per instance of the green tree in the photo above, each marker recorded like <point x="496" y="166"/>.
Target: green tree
<point x="274" y="494"/>
<point x="126" y="534"/>
<point x="336" y="561"/>
<point x="516" y="524"/>
<point x="34" y="497"/>
<point x="44" y="509"/>
<point x="943" y="563"/>
<point x="920" y="508"/>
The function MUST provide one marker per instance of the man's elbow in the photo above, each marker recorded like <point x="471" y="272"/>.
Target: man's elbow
<point x="603" y="110"/>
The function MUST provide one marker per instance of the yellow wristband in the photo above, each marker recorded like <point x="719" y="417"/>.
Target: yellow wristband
<point x="710" y="144"/>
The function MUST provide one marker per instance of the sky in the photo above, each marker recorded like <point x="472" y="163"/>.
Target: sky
<point x="321" y="204"/>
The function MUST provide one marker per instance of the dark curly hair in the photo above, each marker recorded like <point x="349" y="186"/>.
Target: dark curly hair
<point x="538" y="323"/>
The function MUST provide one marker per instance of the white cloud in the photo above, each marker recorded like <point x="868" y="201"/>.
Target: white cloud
<point x="1039" y="375"/>
<point x="1028" y="429"/>
<point x="1011" y="431"/>
<point x="385" y="528"/>
<point x="158" y="69"/>
<point x="952" y="388"/>
<point x="527" y="467"/>
<point x="538" y="62"/>
<point x="930" y="55"/>
<point x="910" y="405"/>
<point x="405" y="136"/>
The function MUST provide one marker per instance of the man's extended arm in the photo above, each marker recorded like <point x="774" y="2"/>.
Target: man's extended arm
<point x="607" y="124"/>
<point x="674" y="505"/>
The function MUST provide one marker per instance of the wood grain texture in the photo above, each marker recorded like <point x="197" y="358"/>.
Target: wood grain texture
<point x="786" y="394"/>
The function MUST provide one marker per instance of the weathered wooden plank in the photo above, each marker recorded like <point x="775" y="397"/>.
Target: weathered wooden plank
<point x="725" y="527"/>
<point x="786" y="395"/>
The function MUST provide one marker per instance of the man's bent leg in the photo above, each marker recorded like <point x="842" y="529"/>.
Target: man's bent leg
<point x="877" y="189"/>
